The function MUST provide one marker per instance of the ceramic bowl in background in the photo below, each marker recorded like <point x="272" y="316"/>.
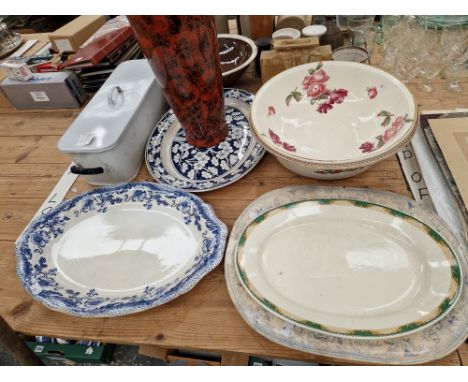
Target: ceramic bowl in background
<point x="333" y="120"/>
<point x="286" y="34"/>
<point x="314" y="30"/>
<point x="291" y="21"/>
<point x="236" y="54"/>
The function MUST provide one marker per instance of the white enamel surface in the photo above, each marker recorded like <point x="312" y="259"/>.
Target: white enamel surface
<point x="116" y="132"/>
<point x="334" y="137"/>
<point x="125" y="249"/>
<point x="346" y="267"/>
<point x="108" y="115"/>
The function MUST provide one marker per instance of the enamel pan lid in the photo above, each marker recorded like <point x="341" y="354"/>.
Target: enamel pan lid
<point x="110" y="112"/>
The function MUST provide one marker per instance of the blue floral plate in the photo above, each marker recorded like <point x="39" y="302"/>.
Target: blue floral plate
<point x="119" y="250"/>
<point x="171" y="160"/>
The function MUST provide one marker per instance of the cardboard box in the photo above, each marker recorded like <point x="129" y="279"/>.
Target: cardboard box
<point x="45" y="91"/>
<point x="72" y="354"/>
<point x="273" y="62"/>
<point x="70" y="37"/>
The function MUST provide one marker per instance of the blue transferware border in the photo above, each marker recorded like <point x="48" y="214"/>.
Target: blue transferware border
<point x="212" y="168"/>
<point x="39" y="280"/>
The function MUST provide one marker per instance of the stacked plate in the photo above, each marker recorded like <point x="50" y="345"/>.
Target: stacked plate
<point x="348" y="273"/>
<point x="172" y="161"/>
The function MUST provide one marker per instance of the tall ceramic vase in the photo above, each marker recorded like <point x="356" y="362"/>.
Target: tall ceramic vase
<point x="183" y="52"/>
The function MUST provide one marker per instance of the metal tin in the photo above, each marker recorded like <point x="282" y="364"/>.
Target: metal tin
<point x="107" y="140"/>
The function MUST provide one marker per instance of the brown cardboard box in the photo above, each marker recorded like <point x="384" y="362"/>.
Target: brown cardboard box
<point x="70" y="37"/>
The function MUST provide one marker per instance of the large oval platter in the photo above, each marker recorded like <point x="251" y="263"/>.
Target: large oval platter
<point x="349" y="268"/>
<point x="421" y="346"/>
<point x="119" y="250"/>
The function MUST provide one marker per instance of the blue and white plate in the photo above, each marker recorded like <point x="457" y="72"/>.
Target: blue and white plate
<point x="119" y="250"/>
<point x="171" y="160"/>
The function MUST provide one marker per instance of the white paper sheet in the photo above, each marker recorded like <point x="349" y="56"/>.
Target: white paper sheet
<point x="56" y="196"/>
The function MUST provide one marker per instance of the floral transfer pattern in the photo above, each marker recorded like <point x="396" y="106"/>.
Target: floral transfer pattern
<point x="199" y="169"/>
<point x="389" y="133"/>
<point x="277" y="141"/>
<point x="199" y="164"/>
<point x="315" y="86"/>
<point x="39" y="277"/>
<point x="372" y="92"/>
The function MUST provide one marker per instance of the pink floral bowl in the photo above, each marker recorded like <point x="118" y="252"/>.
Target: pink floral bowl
<point x="333" y="120"/>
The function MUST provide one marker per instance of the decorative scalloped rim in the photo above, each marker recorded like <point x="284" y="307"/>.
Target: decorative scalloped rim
<point x="184" y="285"/>
<point x="256" y="154"/>
<point x="432" y="317"/>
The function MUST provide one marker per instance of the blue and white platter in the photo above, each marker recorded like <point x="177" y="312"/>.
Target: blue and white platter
<point x="171" y="160"/>
<point x="119" y="250"/>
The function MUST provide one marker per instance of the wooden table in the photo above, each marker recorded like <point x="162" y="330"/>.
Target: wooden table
<point x="204" y="318"/>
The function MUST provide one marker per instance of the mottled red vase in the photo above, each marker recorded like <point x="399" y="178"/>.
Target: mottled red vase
<point x="183" y="52"/>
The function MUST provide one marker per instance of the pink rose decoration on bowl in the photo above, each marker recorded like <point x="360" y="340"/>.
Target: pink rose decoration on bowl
<point x="324" y="107"/>
<point x="389" y="133"/>
<point x="274" y="137"/>
<point x="315" y="90"/>
<point x="289" y="147"/>
<point x="367" y="147"/>
<point x="393" y="130"/>
<point x="320" y="76"/>
<point x="277" y="141"/>
<point x="271" y="111"/>
<point x="338" y="95"/>
<point x="307" y="82"/>
<point x="372" y="92"/>
<point x="397" y="123"/>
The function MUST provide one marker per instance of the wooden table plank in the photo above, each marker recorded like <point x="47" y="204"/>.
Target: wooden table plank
<point x="31" y="149"/>
<point x="52" y="123"/>
<point x="453" y="359"/>
<point x="204" y="318"/>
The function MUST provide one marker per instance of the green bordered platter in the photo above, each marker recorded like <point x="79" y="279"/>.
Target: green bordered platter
<point x="397" y="227"/>
<point x="348" y="268"/>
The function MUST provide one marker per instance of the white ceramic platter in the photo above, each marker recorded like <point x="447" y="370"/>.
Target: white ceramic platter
<point x="333" y="113"/>
<point x="348" y="267"/>
<point x="119" y="250"/>
<point x="420" y="346"/>
<point x="171" y="160"/>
